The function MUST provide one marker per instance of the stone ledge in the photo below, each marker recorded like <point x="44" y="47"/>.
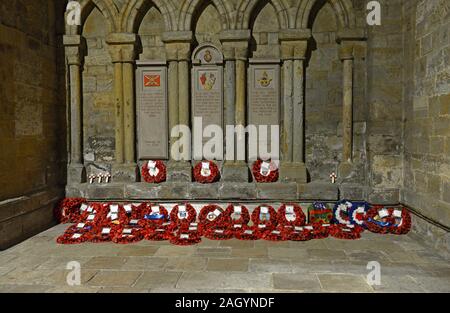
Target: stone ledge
<point x="26" y="216"/>
<point x="318" y="191"/>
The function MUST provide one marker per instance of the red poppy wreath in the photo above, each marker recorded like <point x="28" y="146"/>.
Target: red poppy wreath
<point x="68" y="210"/>
<point x="265" y="171"/>
<point x="183" y="213"/>
<point x="350" y="232"/>
<point x="264" y="217"/>
<point x="238" y="214"/>
<point x="213" y="215"/>
<point x="291" y="214"/>
<point x="206" y="172"/>
<point x="154" y="172"/>
<point x="384" y="220"/>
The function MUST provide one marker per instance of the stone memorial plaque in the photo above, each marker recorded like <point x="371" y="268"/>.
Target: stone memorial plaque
<point x="207" y="91"/>
<point x="152" y="112"/>
<point x="264" y="96"/>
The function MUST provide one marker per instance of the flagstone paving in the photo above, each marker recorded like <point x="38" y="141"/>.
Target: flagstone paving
<point x="329" y="265"/>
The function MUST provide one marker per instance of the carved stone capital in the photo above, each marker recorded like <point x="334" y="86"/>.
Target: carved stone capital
<point x="122" y="47"/>
<point x="74" y="47"/>
<point x="346" y="51"/>
<point x="294" y="50"/>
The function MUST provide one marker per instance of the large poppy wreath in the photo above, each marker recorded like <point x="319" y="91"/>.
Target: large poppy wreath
<point x="154" y="172"/>
<point x="388" y="220"/>
<point x="291" y="214"/>
<point x="206" y="172"/>
<point x="213" y="215"/>
<point x="183" y="213"/>
<point x="264" y="217"/>
<point x="265" y="171"/>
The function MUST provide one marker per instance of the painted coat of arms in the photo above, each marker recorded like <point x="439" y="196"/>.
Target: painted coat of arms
<point x="207" y="80"/>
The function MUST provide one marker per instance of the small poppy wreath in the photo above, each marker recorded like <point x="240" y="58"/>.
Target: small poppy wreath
<point x="264" y="220"/>
<point x="265" y="171"/>
<point x="126" y="234"/>
<point x="277" y="234"/>
<point x="179" y="216"/>
<point x="247" y="233"/>
<point x="239" y="211"/>
<point x="161" y="233"/>
<point x="154" y="172"/>
<point x="103" y="233"/>
<point x="68" y="210"/>
<point x="206" y="172"/>
<point x="153" y="215"/>
<point x="218" y="233"/>
<point x="383" y="220"/>
<point x="319" y="230"/>
<point x="75" y="235"/>
<point x="291" y="214"/>
<point x="349" y="232"/>
<point x="212" y="215"/>
<point x="185" y="238"/>
<point x="299" y="233"/>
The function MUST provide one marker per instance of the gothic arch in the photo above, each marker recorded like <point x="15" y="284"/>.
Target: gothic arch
<point x="106" y="7"/>
<point x="131" y="12"/>
<point x="247" y="7"/>
<point x="188" y="8"/>
<point x="342" y="8"/>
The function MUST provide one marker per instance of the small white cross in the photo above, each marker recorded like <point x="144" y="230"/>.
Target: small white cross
<point x="91" y="178"/>
<point x="333" y="177"/>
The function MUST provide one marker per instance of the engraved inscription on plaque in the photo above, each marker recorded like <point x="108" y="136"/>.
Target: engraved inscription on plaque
<point x="207" y="89"/>
<point x="152" y="112"/>
<point x="264" y="95"/>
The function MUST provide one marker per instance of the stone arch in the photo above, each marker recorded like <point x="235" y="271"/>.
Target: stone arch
<point x="189" y="7"/>
<point x="247" y="8"/>
<point x="342" y="8"/>
<point x="106" y="7"/>
<point x="133" y="12"/>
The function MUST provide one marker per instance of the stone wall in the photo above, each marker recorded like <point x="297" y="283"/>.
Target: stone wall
<point x="426" y="184"/>
<point x="385" y="104"/>
<point x="32" y="117"/>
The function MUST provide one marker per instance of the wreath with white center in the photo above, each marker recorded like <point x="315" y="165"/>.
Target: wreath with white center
<point x="265" y="171"/>
<point x="206" y="172"/>
<point x="341" y="212"/>
<point x="154" y="172"/>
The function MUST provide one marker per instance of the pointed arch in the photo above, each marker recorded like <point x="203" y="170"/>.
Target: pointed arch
<point x="131" y="13"/>
<point x="189" y="7"/>
<point x="247" y="7"/>
<point x="342" y="8"/>
<point x="106" y="7"/>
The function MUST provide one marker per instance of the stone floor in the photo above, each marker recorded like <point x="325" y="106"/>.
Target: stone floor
<point x="330" y="265"/>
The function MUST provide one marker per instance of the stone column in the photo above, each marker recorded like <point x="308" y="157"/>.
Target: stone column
<point x="122" y="49"/>
<point x="346" y="55"/>
<point x="76" y="172"/>
<point x="178" y="50"/>
<point x="184" y="53"/>
<point x="293" y="51"/>
<point x="235" y="48"/>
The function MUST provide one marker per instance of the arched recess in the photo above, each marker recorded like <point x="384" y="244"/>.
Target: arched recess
<point x="133" y="14"/>
<point x="189" y="8"/>
<point x="323" y="96"/>
<point x="308" y="9"/>
<point x="265" y="26"/>
<point x="97" y="92"/>
<point x="149" y="25"/>
<point x="206" y="24"/>
<point x="108" y="10"/>
<point x="246" y="12"/>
